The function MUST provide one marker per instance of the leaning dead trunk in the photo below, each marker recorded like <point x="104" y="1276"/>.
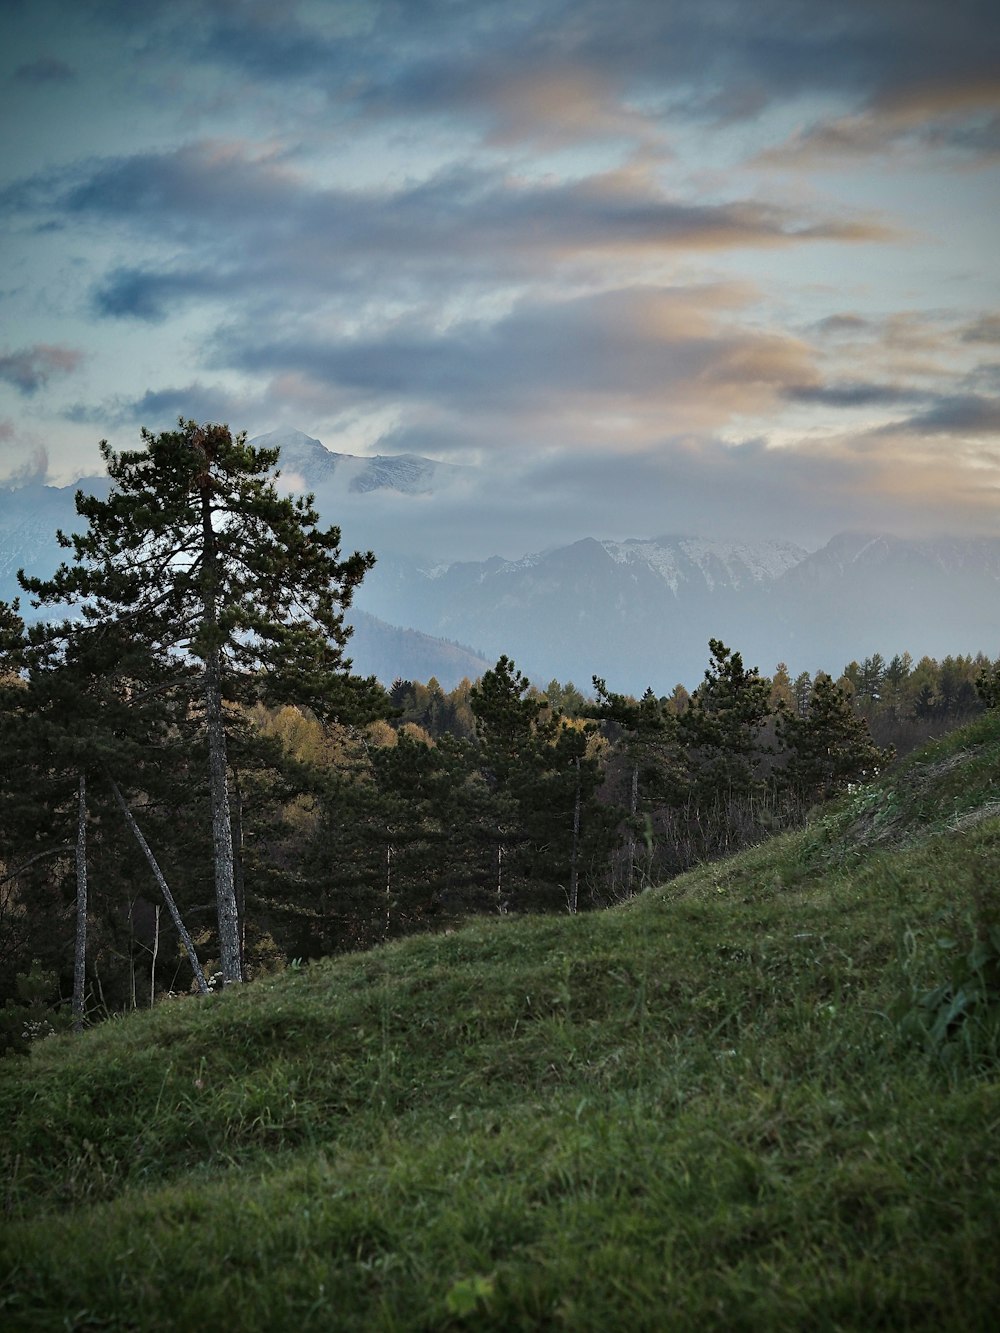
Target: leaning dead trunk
<point x="168" y="897"/>
<point x="80" y="950"/>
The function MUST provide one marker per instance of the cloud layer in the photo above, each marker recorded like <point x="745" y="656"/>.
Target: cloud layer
<point x="724" y="266"/>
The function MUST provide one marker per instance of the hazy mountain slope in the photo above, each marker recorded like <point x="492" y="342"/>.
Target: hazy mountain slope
<point x="29" y="519"/>
<point x="642" y="612"/>
<point x="388" y="652"/>
<point x="932" y="596"/>
<point x="695" y="1111"/>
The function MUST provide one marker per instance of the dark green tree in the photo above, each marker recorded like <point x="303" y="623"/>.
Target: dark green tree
<point x="643" y="733"/>
<point x="227" y="585"/>
<point x="77" y="708"/>
<point x="988" y="684"/>
<point x="542" y="782"/>
<point x="507" y="714"/>
<point x="721" y="730"/>
<point x="828" y="748"/>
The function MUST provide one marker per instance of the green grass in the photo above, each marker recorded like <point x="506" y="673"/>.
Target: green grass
<point x="697" y="1111"/>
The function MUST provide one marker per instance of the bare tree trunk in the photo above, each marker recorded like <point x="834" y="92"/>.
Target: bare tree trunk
<point x="633" y="807"/>
<point x="388" y="890"/>
<point x="152" y="965"/>
<point x="239" y="881"/>
<point x="222" y="830"/>
<point x="80" y="949"/>
<point x="574" y="872"/>
<point x="168" y="897"/>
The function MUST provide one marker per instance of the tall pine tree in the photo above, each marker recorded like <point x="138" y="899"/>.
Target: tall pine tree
<point x="195" y="556"/>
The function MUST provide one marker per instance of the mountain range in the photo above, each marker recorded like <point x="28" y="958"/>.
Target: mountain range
<point x="641" y="612"/>
<point x="637" y="612"/>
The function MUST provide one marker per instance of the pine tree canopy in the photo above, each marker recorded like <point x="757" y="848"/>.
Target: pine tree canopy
<point x="195" y="553"/>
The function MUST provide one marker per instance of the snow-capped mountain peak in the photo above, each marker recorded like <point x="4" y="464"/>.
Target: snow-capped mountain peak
<point x="730" y="564"/>
<point x="309" y="460"/>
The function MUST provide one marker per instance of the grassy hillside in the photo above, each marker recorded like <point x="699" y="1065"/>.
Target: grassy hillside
<point x="764" y="1096"/>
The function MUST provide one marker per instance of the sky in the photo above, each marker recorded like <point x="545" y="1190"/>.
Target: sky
<point x="714" y="267"/>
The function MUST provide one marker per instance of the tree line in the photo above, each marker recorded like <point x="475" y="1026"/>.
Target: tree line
<point x="197" y="787"/>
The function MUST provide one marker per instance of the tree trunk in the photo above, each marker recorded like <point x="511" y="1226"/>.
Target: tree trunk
<point x="388" y="891"/>
<point x="222" y="830"/>
<point x="152" y="965"/>
<point x="574" y="870"/>
<point x="239" y="880"/>
<point x="80" y="950"/>
<point x="633" y="807"/>
<point x="168" y="897"/>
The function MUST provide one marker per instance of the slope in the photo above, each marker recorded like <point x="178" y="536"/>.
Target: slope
<point x="729" y="1104"/>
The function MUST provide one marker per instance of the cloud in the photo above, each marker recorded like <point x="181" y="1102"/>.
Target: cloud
<point x="986" y="329"/>
<point x="693" y="484"/>
<point x="150" y="295"/>
<point x="160" y="409"/>
<point x="34" y="464"/>
<point x="554" y="72"/>
<point x="959" y="120"/>
<point x="244" y="223"/>
<point x="851" y="393"/>
<point x="843" y="325"/>
<point x="953" y="414"/>
<point x="31" y="368"/>
<point x="460" y="228"/>
<point x="46" y="69"/>
<point x="602" y="369"/>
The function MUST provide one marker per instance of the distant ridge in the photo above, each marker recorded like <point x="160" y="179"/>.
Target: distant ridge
<point x="390" y="653"/>
<point x="318" y="466"/>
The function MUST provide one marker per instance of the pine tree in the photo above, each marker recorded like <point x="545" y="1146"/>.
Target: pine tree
<point x="721" y="730"/>
<point x="828" y="748"/>
<point x="232" y="590"/>
<point x="644" y="732"/>
<point x="506" y="714"/>
<point x="988" y="684"/>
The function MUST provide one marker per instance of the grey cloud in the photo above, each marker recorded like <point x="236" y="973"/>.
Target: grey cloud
<point x="635" y="347"/>
<point x="430" y="58"/>
<point x="985" y="378"/>
<point x="852" y="393"/>
<point x="962" y="135"/>
<point x="149" y="295"/>
<point x="958" y="414"/>
<point x="33" y="468"/>
<point x="160" y="409"/>
<point x="243" y="227"/>
<point x="31" y="368"/>
<point x="206" y="190"/>
<point x="683" y="485"/>
<point x="46" y="69"/>
<point x="986" y="329"/>
<point x="843" y="324"/>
